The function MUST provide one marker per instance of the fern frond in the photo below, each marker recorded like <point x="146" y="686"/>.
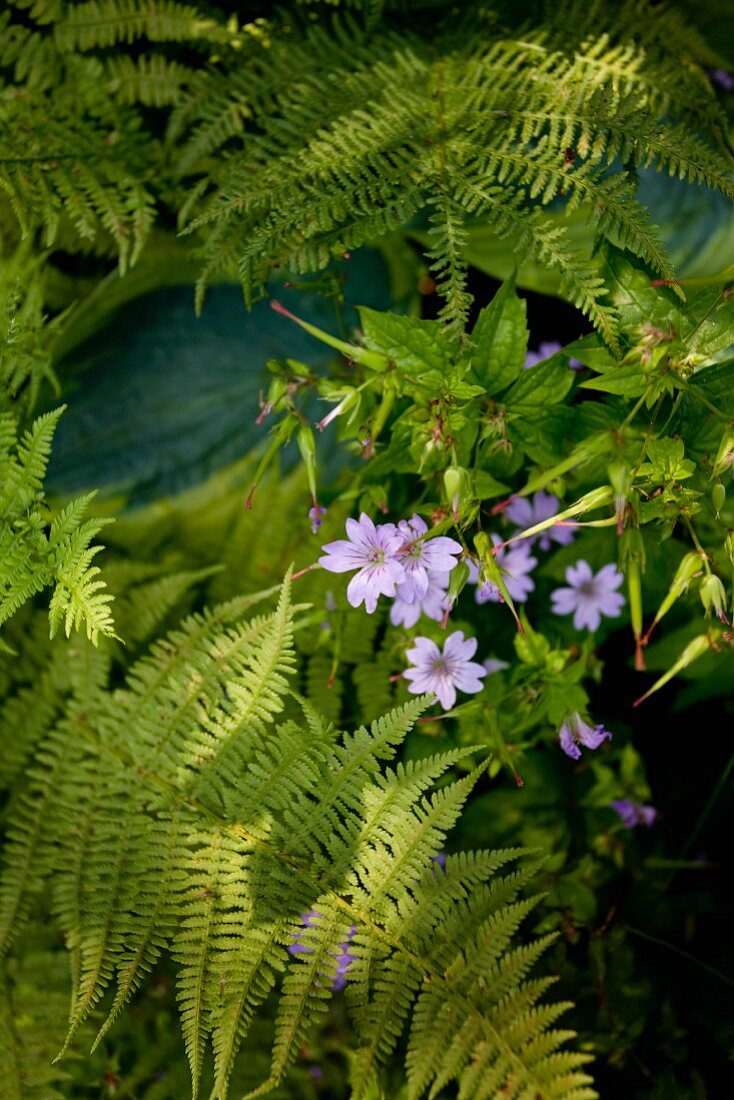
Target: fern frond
<point x="455" y="124"/>
<point x="180" y="815"/>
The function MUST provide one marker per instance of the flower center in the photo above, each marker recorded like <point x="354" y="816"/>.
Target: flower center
<point x="440" y="666"/>
<point x="587" y="588"/>
<point x="377" y="556"/>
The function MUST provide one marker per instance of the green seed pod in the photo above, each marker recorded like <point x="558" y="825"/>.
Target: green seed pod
<point x="725" y="454"/>
<point x="456" y="483"/>
<point x="718" y="497"/>
<point x="458" y="577"/>
<point x="307" y="447"/>
<point x="713" y="596"/>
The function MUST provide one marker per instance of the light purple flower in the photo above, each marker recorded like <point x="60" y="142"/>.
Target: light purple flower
<point x="633" y="813"/>
<point x="518" y="564"/>
<point x="575" y="732"/>
<point x="442" y="673"/>
<point x="723" y="78"/>
<point x="589" y="596"/>
<point x="526" y="513"/>
<point x="296" y="947"/>
<point x="492" y="664"/>
<point x="546" y="348"/>
<point x="343" y="960"/>
<point x="373" y="551"/>
<point x="419" y="556"/>
<point x="434" y="604"/>
<point x="315" y="514"/>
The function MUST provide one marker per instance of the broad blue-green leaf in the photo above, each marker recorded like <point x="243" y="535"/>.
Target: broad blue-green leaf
<point x="500" y="339"/>
<point x="159" y="399"/>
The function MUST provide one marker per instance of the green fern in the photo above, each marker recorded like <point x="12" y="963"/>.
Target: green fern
<point x="474" y="121"/>
<point x="181" y="814"/>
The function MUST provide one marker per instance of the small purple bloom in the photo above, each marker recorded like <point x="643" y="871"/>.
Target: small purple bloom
<point x="344" y="960"/>
<point x="315" y="514"/>
<point x="525" y="513"/>
<point x="518" y="563"/>
<point x="296" y="947"/>
<point x="373" y="552"/>
<point x="442" y="673"/>
<point x="589" y="596"/>
<point x="575" y="732"/>
<point x="440" y="859"/>
<point x="316" y="1073"/>
<point x="434" y="604"/>
<point x="633" y="813"/>
<point x="546" y="348"/>
<point x="723" y="78"/>
<point x="492" y="664"/>
<point x="419" y="556"/>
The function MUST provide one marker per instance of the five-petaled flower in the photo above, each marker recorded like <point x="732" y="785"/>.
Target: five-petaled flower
<point x="633" y="813"/>
<point x="575" y="732"/>
<point x="526" y="513"/>
<point x="442" y="673"/>
<point x="373" y="552"/>
<point x="590" y="595"/>
<point x="433" y="604"/>
<point x="420" y="555"/>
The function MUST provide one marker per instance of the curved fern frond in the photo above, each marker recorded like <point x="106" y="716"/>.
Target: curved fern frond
<point x="185" y="814"/>
<point x="455" y="123"/>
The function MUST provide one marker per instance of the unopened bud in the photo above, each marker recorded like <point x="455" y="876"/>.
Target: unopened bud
<point x="458" y="578"/>
<point x="718" y="497"/>
<point x="307" y="447"/>
<point x="725" y="454"/>
<point x="688" y="568"/>
<point x="695" y="649"/>
<point x="729" y="546"/>
<point x="456" y="482"/>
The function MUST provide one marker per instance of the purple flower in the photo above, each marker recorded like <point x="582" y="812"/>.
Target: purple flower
<point x="575" y="732"/>
<point x="517" y="563"/>
<point x="296" y="947"/>
<point x="525" y="513"/>
<point x="343" y="960"/>
<point x="373" y="552"/>
<point x="442" y="673"/>
<point x="315" y="514"/>
<point x="419" y="556"/>
<point x="493" y="665"/>
<point x="434" y="604"/>
<point x="589" y="596"/>
<point x="633" y="813"/>
<point x="723" y="78"/>
<point x="546" y="348"/>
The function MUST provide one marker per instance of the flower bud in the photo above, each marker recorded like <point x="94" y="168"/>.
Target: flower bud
<point x="725" y="454"/>
<point x="458" y="578"/>
<point x="718" y="497"/>
<point x="307" y="447"/>
<point x="695" y="649"/>
<point x="729" y="546"/>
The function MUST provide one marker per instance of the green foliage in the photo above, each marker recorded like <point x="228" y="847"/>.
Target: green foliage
<point x="479" y="120"/>
<point x="37" y="551"/>
<point x="183" y="814"/>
